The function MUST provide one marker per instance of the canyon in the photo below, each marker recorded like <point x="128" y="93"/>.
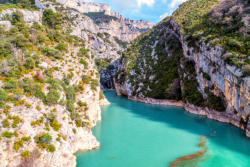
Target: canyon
<point x="198" y="73"/>
<point x="55" y="112"/>
<point x="59" y="56"/>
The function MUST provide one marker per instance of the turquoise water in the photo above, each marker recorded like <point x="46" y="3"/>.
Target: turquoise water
<point x="134" y="134"/>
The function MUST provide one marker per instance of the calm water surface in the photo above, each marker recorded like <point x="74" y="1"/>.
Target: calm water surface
<point x="134" y="134"/>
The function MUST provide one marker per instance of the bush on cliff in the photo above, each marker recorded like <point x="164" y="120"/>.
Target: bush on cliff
<point x="3" y="95"/>
<point x="51" y="18"/>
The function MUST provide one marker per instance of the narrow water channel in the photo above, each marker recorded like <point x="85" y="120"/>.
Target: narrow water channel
<point x="134" y="134"/>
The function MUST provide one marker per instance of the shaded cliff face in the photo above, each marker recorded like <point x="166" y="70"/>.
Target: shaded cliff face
<point x="108" y="21"/>
<point x="179" y="60"/>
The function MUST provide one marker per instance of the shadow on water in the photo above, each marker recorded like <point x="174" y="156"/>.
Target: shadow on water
<point x="226" y="136"/>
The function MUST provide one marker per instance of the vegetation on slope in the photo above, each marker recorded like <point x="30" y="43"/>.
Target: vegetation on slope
<point x="155" y="67"/>
<point x="223" y="23"/>
<point x="28" y="4"/>
<point x="24" y="49"/>
<point x="100" y="17"/>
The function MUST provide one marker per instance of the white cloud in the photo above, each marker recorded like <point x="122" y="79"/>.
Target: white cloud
<point x="174" y="3"/>
<point x="165" y="15"/>
<point x="134" y="6"/>
<point x="149" y="3"/>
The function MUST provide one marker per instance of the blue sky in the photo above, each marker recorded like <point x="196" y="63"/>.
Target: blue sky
<point x="150" y="10"/>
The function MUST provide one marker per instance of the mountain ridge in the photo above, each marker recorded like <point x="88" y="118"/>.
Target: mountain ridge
<point x="124" y="28"/>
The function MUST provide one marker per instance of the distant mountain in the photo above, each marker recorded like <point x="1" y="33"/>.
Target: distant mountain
<point x="107" y="20"/>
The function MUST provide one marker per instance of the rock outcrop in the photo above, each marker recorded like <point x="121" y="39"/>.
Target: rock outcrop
<point x="107" y="75"/>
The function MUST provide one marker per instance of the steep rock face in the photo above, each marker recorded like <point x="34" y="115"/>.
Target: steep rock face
<point x="108" y="21"/>
<point x="167" y="63"/>
<point x="101" y="46"/>
<point x="28" y="16"/>
<point x="113" y="32"/>
<point x="54" y="77"/>
<point x="108" y="74"/>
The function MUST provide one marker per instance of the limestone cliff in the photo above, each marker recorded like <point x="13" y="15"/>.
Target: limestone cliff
<point x="200" y="56"/>
<point x="106" y="32"/>
<point x="108" y="21"/>
<point x="50" y="96"/>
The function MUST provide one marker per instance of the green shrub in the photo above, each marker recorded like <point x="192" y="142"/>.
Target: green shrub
<point x="34" y="89"/>
<point x="94" y="84"/>
<point x="205" y="75"/>
<point x="7" y="134"/>
<point x="62" y="47"/>
<point x="51" y="19"/>
<point x="15" y="72"/>
<point x="101" y="35"/>
<point x="214" y="102"/>
<point x="11" y="84"/>
<point x="70" y="93"/>
<point x="5" y="123"/>
<point x="37" y="91"/>
<point x="41" y="38"/>
<point x="83" y="53"/>
<point x="5" y="48"/>
<point x="53" y="96"/>
<point x="55" y="35"/>
<point x="55" y="125"/>
<point x="70" y="105"/>
<point x="51" y="148"/>
<point x="43" y="138"/>
<point x="26" y="139"/>
<point x="16" y="120"/>
<point x="20" y="41"/>
<point x="102" y="63"/>
<point x="30" y="63"/>
<point x="3" y="95"/>
<point x="15" y="134"/>
<point x="36" y="58"/>
<point x="81" y="103"/>
<point x="16" y="17"/>
<point x="86" y="79"/>
<point x="18" y="144"/>
<point x="26" y="154"/>
<point x="24" y="3"/>
<point x="67" y="78"/>
<point x="192" y="94"/>
<point x="54" y="83"/>
<point x="123" y="44"/>
<point x="50" y="52"/>
<point x="37" y="122"/>
<point x="84" y="62"/>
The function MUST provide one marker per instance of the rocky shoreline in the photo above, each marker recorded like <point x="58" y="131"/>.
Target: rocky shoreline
<point x="211" y="114"/>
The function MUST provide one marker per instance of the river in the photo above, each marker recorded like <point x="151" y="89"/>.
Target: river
<point x="134" y="134"/>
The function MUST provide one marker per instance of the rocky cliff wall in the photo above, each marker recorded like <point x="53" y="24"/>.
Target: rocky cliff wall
<point x="34" y="116"/>
<point x="224" y="78"/>
<point x="202" y="74"/>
